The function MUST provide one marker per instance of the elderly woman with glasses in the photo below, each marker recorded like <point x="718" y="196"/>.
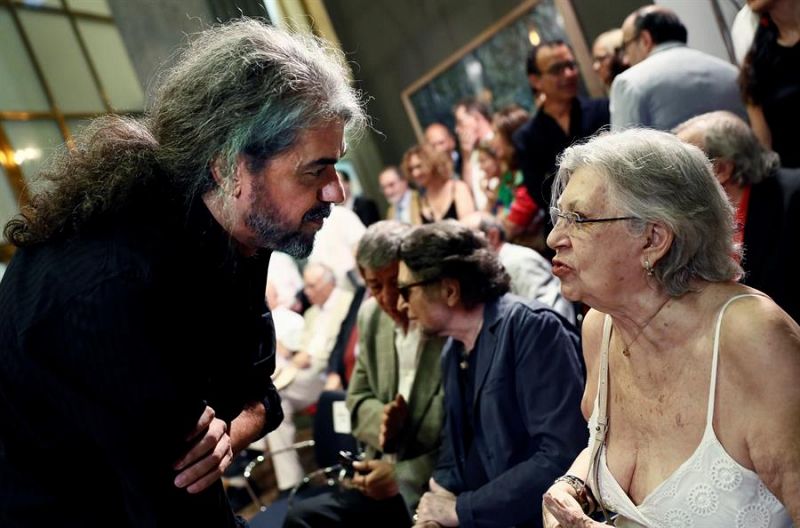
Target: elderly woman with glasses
<point x="692" y="394"/>
<point x="512" y="380"/>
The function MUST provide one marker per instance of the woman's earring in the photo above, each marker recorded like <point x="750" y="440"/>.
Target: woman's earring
<point x="648" y="267"/>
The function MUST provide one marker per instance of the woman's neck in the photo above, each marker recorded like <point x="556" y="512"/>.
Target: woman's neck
<point x="786" y="15"/>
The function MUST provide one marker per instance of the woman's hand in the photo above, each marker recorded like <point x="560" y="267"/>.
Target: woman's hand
<point x="560" y="509"/>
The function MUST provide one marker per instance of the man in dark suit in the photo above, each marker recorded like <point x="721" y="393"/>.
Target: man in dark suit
<point x="512" y="376"/>
<point x="363" y="207"/>
<point x="767" y="202"/>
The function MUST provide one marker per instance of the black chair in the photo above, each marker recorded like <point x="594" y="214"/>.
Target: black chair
<point x="326" y="443"/>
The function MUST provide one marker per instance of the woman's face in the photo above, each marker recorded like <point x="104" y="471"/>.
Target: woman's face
<point x="594" y="261"/>
<point x="502" y="148"/>
<point x="419" y="171"/>
<point x="489" y="165"/>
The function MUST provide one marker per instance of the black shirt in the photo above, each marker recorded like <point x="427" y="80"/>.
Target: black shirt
<point x="111" y="344"/>
<point x="539" y="142"/>
<point x="781" y="102"/>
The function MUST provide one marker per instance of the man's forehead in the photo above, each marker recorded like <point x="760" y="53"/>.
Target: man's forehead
<point x="550" y="54"/>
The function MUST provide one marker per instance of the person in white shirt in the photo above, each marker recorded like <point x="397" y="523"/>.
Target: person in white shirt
<point x="302" y="377"/>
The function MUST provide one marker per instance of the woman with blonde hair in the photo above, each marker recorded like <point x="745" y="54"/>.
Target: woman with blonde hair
<point x="442" y="196"/>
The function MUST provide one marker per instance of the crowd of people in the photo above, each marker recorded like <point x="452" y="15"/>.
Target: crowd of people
<point x="570" y="315"/>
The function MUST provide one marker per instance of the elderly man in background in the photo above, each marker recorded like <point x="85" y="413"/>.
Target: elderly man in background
<point x="531" y="274"/>
<point x="439" y="137"/>
<point x="404" y="202"/>
<point x="301" y="378"/>
<point x="395" y="400"/>
<point x="667" y="82"/>
<point x="766" y="199"/>
<point x="512" y="377"/>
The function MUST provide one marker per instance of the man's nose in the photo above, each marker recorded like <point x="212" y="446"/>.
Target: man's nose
<point x="332" y="192"/>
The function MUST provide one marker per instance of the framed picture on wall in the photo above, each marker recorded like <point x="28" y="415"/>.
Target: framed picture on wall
<point x="492" y="66"/>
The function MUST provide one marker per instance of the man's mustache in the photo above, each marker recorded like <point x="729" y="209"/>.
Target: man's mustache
<point x="318" y="213"/>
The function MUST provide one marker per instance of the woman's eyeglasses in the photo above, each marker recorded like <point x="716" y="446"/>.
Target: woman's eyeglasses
<point x="571" y="218"/>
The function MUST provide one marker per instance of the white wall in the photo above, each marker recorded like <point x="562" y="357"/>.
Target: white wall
<point x="698" y="17"/>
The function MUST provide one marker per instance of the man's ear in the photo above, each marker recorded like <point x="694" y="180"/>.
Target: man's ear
<point x="647" y="40"/>
<point x="723" y="170"/>
<point x="232" y="184"/>
<point x="451" y="291"/>
<point x="535" y="82"/>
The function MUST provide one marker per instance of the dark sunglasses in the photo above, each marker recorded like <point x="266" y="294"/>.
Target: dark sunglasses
<point x="404" y="289"/>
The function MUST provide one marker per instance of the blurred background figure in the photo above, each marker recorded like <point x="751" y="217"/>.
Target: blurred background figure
<point x="770" y="78"/>
<point x="443" y="196"/>
<point x="335" y="245"/>
<point x="439" y="137"/>
<point x="766" y="199"/>
<point x="302" y="379"/>
<point x="531" y="274"/>
<point x="607" y="56"/>
<point x="668" y="82"/>
<point x="473" y="124"/>
<point x="404" y="202"/>
<point x="365" y="208"/>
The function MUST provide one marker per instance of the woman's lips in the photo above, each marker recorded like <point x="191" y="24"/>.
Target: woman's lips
<point x="559" y="268"/>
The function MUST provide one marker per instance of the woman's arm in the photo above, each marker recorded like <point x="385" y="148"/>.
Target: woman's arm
<point x="463" y="198"/>
<point x="759" y="125"/>
<point x="763" y="345"/>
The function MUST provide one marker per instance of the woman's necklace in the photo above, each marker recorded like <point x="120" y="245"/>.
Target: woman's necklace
<point x="626" y="350"/>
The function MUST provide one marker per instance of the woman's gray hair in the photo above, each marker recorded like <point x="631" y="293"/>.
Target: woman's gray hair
<point x="380" y="244"/>
<point x="656" y="177"/>
<point x="726" y="136"/>
<point x="247" y="88"/>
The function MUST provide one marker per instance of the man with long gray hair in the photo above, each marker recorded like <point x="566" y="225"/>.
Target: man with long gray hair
<point x="766" y="199"/>
<point x="135" y="345"/>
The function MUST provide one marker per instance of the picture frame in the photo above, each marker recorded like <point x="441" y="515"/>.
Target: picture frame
<point x="491" y="67"/>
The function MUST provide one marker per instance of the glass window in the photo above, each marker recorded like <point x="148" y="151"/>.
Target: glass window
<point x="9" y="203"/>
<point x="33" y="142"/>
<point x="97" y="7"/>
<point x="65" y="68"/>
<point x="41" y="3"/>
<point x="76" y="125"/>
<point x="114" y="68"/>
<point x="24" y="92"/>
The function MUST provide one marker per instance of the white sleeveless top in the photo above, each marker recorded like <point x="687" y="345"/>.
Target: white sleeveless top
<point x="710" y="489"/>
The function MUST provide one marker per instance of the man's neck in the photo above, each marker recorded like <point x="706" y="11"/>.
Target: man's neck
<point x="560" y="110"/>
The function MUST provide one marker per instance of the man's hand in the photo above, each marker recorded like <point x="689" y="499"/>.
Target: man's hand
<point x="395" y="414"/>
<point x="375" y="479"/>
<point x="210" y="456"/>
<point x="437" y="506"/>
<point x="301" y="360"/>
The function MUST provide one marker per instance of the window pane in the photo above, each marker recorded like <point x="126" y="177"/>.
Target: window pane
<point x="21" y="89"/>
<point x="76" y="125"/>
<point x="40" y="3"/>
<point x="65" y="67"/>
<point x="9" y="204"/>
<point x="98" y="7"/>
<point x="113" y="66"/>
<point x="33" y="142"/>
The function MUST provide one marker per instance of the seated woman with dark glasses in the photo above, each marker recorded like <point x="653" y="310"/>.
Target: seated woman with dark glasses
<point x="692" y="394"/>
<point x="512" y="380"/>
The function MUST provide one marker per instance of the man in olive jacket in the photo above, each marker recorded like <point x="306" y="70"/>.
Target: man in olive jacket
<point x="395" y="400"/>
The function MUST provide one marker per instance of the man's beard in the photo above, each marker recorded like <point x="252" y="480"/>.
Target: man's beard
<point x="273" y="231"/>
